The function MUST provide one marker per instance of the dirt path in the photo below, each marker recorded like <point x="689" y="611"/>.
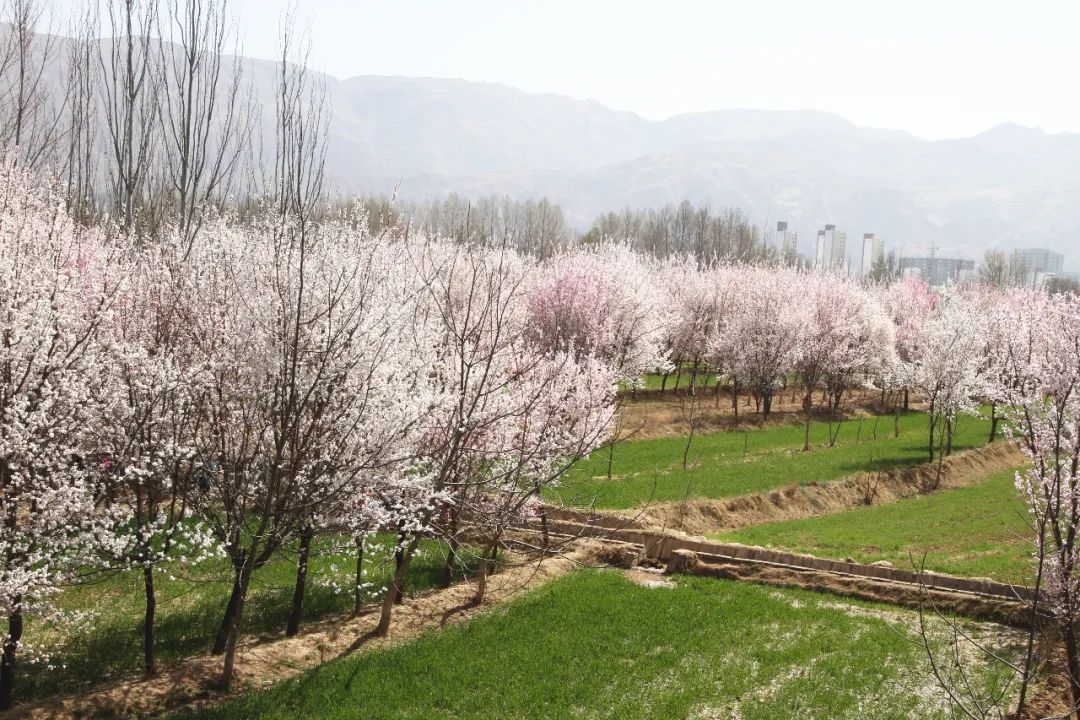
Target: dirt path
<point x="704" y="516"/>
<point x="265" y="660"/>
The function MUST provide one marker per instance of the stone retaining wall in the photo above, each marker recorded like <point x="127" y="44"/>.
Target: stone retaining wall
<point x="659" y="547"/>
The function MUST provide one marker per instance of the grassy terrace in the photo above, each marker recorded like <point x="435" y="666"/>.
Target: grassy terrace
<point x="594" y="645"/>
<point x="191" y="601"/>
<point x="975" y="531"/>
<point x="729" y="464"/>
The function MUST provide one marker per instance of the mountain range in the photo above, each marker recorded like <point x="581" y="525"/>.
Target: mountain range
<point x="1009" y="187"/>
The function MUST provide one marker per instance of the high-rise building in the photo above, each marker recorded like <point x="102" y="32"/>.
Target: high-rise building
<point x="936" y="271"/>
<point x="787" y="241"/>
<point x="873" y="250"/>
<point x="1034" y="265"/>
<point x="830" y="250"/>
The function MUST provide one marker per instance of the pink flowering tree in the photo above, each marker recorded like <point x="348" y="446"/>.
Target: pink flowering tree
<point x="604" y="301"/>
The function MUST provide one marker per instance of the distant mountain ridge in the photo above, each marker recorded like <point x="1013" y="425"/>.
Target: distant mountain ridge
<point x="1008" y="187"/>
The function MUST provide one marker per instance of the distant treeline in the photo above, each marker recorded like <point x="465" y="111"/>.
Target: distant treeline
<point x="540" y="227"/>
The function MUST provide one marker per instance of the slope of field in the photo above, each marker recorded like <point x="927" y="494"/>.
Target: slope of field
<point x="729" y="464"/>
<point x="190" y="603"/>
<point x="975" y="531"/>
<point x="593" y="645"/>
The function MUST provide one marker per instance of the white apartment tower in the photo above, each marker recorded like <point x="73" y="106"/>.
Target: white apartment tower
<point x="830" y="250"/>
<point x="787" y="241"/>
<point x="873" y="250"/>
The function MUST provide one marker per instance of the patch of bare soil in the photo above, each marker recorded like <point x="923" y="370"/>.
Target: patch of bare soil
<point x="703" y="516"/>
<point x="265" y="660"/>
<point x="649" y="577"/>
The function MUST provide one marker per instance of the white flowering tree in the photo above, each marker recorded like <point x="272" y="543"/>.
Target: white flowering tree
<point x="512" y="411"/>
<point x="58" y="283"/>
<point x="945" y="364"/>
<point x="1036" y="378"/>
<point x="300" y="333"/>
<point x="844" y="339"/>
<point x="144" y="438"/>
<point x="758" y="340"/>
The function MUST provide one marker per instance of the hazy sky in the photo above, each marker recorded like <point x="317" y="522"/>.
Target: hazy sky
<point x="938" y="69"/>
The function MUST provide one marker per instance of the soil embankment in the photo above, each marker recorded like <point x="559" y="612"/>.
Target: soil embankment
<point x="701" y="516"/>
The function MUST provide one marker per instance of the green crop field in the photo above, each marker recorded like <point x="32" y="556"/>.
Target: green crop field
<point x="728" y="464"/>
<point x="976" y="531"/>
<point x="594" y="645"/>
<point x="191" y="602"/>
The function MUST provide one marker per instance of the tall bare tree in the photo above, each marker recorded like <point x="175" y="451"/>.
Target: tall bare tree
<point x="302" y="120"/>
<point x="77" y="157"/>
<point x="203" y="109"/>
<point x="130" y="90"/>
<point x="30" y="115"/>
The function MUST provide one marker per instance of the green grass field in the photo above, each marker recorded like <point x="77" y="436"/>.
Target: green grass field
<point x="654" y="381"/>
<point x="594" y="645"/>
<point x="729" y="464"/>
<point x="191" y="602"/>
<point x="975" y="531"/>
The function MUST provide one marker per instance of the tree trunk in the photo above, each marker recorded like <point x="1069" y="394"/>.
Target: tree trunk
<point x="149" y="664"/>
<point x="399" y="560"/>
<point x="933" y="425"/>
<point x="358" y="588"/>
<point x="454" y="545"/>
<point x="735" y="396"/>
<point x="907" y="405"/>
<point x="686" y="448"/>
<point x="544" y="533"/>
<point x="227" y="621"/>
<point x="233" y="639"/>
<point x="663" y="382"/>
<point x="7" y="665"/>
<point x="993" y="422"/>
<point x="451" y="557"/>
<point x="297" y="611"/>
<point x="808" y="407"/>
<point x="394" y="589"/>
<point x="481" y="579"/>
<point x="1072" y="657"/>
